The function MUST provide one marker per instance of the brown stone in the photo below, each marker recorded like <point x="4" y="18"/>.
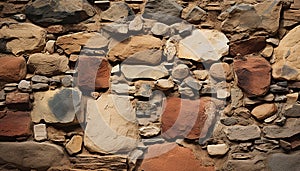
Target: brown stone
<point x="249" y="46"/>
<point x="166" y="157"/>
<point x="14" y="124"/>
<point x="12" y="69"/>
<point x="264" y="111"/>
<point x="187" y="118"/>
<point x="132" y="45"/>
<point x="19" y="101"/>
<point x="253" y="74"/>
<point x="93" y="72"/>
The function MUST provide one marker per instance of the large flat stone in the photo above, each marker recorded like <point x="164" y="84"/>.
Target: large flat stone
<point x="242" y="133"/>
<point x="56" y="106"/>
<point x="291" y="128"/>
<point x="286" y="57"/>
<point x="31" y="155"/>
<point x="281" y="161"/>
<point x="144" y="71"/>
<point x="202" y="45"/>
<point x="111" y="125"/>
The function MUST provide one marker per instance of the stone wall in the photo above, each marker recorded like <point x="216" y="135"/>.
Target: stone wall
<point x="149" y="85"/>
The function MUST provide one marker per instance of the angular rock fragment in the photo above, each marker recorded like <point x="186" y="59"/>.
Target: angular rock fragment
<point x="242" y="133"/>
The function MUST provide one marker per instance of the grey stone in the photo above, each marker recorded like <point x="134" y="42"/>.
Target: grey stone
<point x="281" y="161"/>
<point x="67" y="81"/>
<point x="24" y="86"/>
<point x="136" y="24"/>
<point x="40" y="86"/>
<point x="20" y="17"/>
<point x="289" y="129"/>
<point x="229" y="121"/>
<point x="116" y="28"/>
<point x="2" y="95"/>
<point x="294" y="111"/>
<point x="117" y="11"/>
<point x="180" y="71"/>
<point x="40" y="79"/>
<point x="249" y="165"/>
<point x="165" y="11"/>
<point x="242" y="133"/>
<point x="122" y="88"/>
<point x="31" y="155"/>
<point x="144" y="90"/>
<point x="160" y="29"/>
<point x="47" y="12"/>
<point x="195" y="15"/>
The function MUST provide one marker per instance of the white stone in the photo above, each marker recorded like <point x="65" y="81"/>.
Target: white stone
<point x="164" y="83"/>
<point x="40" y="132"/>
<point x="203" y="45"/>
<point x="144" y="71"/>
<point x="217" y="150"/>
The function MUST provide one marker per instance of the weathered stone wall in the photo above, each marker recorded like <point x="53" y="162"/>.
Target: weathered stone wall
<point x="149" y="85"/>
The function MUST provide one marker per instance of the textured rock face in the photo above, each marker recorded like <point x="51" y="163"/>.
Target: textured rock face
<point x="286" y="57"/>
<point x="19" y="101"/>
<point x="187" y="118"/>
<point x="22" y="37"/>
<point x="248" y="46"/>
<point x="93" y="73"/>
<point x="74" y="43"/>
<point x="31" y="155"/>
<point x="290" y="129"/>
<point x="281" y="161"/>
<point x="203" y="45"/>
<point x="8" y="122"/>
<point x="134" y="47"/>
<point x="144" y="71"/>
<point x="117" y="11"/>
<point x="50" y="12"/>
<point x="242" y="133"/>
<point x="253" y="74"/>
<point x="111" y="125"/>
<point x="164" y="11"/>
<point x="173" y="157"/>
<point x="12" y="69"/>
<point x="47" y="65"/>
<point x="56" y="106"/>
<point x="245" y="17"/>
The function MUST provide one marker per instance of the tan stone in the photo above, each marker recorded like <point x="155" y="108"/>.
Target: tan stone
<point x="74" y="145"/>
<point x="264" y="111"/>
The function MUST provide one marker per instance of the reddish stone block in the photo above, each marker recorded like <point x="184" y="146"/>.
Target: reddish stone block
<point x="15" y="124"/>
<point x="187" y="118"/>
<point x="20" y="101"/>
<point x="12" y="69"/>
<point x="93" y="73"/>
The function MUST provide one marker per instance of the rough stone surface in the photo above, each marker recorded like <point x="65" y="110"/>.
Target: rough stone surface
<point x="164" y="11"/>
<point x="180" y="71"/>
<point x="19" y="101"/>
<point x="160" y="29"/>
<point x="217" y="150"/>
<point x="203" y="45"/>
<point x="74" y="145"/>
<point x="194" y="14"/>
<point x="253" y="74"/>
<point x="242" y="133"/>
<point x="264" y="111"/>
<point x="290" y="128"/>
<point x="286" y="57"/>
<point x="40" y="79"/>
<point x="40" y="132"/>
<point x="20" y="38"/>
<point x="294" y="111"/>
<point x="144" y="71"/>
<point x="220" y="71"/>
<point x="245" y="17"/>
<point x="47" y="65"/>
<point x="74" y="43"/>
<point x="249" y="165"/>
<point x="281" y="161"/>
<point x="12" y="69"/>
<point x="187" y="118"/>
<point x="135" y="46"/>
<point x="167" y="157"/>
<point x="24" y="86"/>
<point x="8" y="122"/>
<point x="47" y="12"/>
<point x="149" y="131"/>
<point x="248" y="46"/>
<point x="31" y="155"/>
<point x="117" y="11"/>
<point x="56" y="106"/>
<point x="96" y="162"/>
<point x="93" y="73"/>
<point x="145" y="57"/>
<point x="115" y="117"/>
